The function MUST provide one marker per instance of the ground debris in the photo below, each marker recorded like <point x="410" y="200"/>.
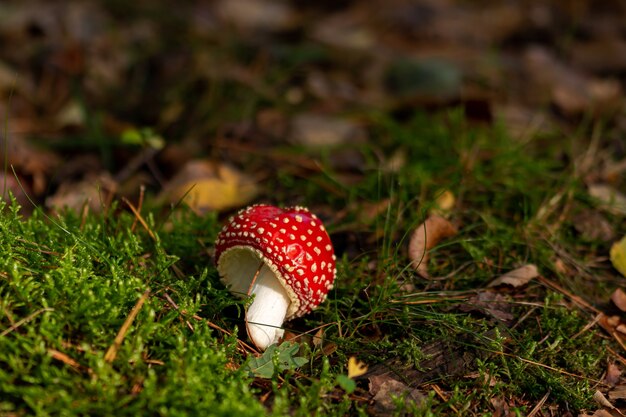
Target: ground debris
<point x="387" y="390"/>
<point x="425" y="237"/>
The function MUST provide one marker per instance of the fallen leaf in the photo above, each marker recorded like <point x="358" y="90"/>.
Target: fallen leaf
<point x="613" y="374"/>
<point x="344" y="31"/>
<point x="592" y="225"/>
<point x="316" y="130"/>
<point x="490" y="303"/>
<point x="618" y="393"/>
<point x="425" y="237"/>
<point x="356" y="368"/>
<point x="599" y="398"/>
<point x="444" y="202"/>
<point x="96" y="190"/>
<point x="609" y="198"/>
<point x="205" y="186"/>
<point x="384" y="389"/>
<point x="261" y="15"/>
<point x="619" y="299"/>
<point x="618" y="255"/>
<point x="517" y="277"/>
<point x="501" y="408"/>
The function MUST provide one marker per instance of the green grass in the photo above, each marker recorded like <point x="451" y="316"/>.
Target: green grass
<point x="68" y="284"/>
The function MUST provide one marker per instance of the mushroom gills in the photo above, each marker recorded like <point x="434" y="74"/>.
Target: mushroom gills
<point x="268" y="309"/>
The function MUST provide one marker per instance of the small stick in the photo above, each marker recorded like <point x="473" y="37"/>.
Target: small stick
<point x="138" y="217"/>
<point x="25" y="320"/>
<point x="66" y="359"/>
<point x="537" y="407"/>
<point x="142" y="190"/>
<point x="112" y="351"/>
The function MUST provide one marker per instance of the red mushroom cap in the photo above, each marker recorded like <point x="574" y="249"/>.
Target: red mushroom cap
<point x="292" y="242"/>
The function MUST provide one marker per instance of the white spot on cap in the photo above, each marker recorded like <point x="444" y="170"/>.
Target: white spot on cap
<point x="313" y="224"/>
<point x="300" y="272"/>
<point x="317" y="250"/>
<point x="309" y="231"/>
<point x="299" y="219"/>
<point x="282" y="231"/>
<point x="328" y="247"/>
<point x="292" y="236"/>
<point x="286" y="220"/>
<point x="309" y="244"/>
<point x="302" y="238"/>
<point x="261" y="230"/>
<point x="313" y="267"/>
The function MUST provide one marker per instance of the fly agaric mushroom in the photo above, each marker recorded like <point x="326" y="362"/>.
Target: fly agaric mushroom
<point x="284" y="257"/>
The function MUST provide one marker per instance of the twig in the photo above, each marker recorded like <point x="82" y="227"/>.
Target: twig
<point x="142" y="190"/>
<point x="551" y="368"/>
<point x="139" y="217"/>
<point x="537" y="407"/>
<point x="576" y="299"/>
<point x="112" y="351"/>
<point x="66" y="359"/>
<point x="25" y="320"/>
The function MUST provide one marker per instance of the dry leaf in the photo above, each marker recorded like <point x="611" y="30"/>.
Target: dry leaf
<point x="611" y="200"/>
<point x="599" y="398"/>
<point x="491" y="303"/>
<point x="315" y="130"/>
<point x="618" y="255"/>
<point x="425" y="237"/>
<point x="619" y="299"/>
<point x="384" y="389"/>
<point x="517" y="277"/>
<point x="618" y="393"/>
<point x="205" y="185"/>
<point x="592" y="225"/>
<point x="263" y="15"/>
<point x="444" y="202"/>
<point x="356" y="368"/>
<point x="96" y="190"/>
<point x="613" y="374"/>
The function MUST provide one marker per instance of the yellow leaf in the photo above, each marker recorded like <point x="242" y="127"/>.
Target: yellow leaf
<point x="206" y="185"/>
<point x="356" y="367"/>
<point x="444" y="202"/>
<point x="618" y="255"/>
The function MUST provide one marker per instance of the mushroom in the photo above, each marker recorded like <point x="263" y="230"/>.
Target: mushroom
<point x="282" y="257"/>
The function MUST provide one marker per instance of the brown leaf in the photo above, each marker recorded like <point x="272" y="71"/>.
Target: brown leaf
<point x="206" y="185"/>
<point x="609" y="198"/>
<point x="613" y="374"/>
<point x="619" y="299"/>
<point x="384" y="388"/>
<point x="618" y="393"/>
<point x="592" y="225"/>
<point x="491" y="303"/>
<point x="316" y="130"/>
<point x="252" y="15"/>
<point x="517" y="277"/>
<point x="425" y="237"/>
<point x="96" y="190"/>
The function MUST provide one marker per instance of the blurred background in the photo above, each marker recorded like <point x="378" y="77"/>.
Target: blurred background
<point x="222" y="102"/>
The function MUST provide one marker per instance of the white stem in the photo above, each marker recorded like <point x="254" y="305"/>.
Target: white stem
<point x="268" y="309"/>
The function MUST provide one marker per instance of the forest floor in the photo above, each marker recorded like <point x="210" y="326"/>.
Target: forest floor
<point x="467" y="159"/>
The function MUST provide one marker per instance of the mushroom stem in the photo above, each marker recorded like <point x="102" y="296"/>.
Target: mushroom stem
<point x="268" y="309"/>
